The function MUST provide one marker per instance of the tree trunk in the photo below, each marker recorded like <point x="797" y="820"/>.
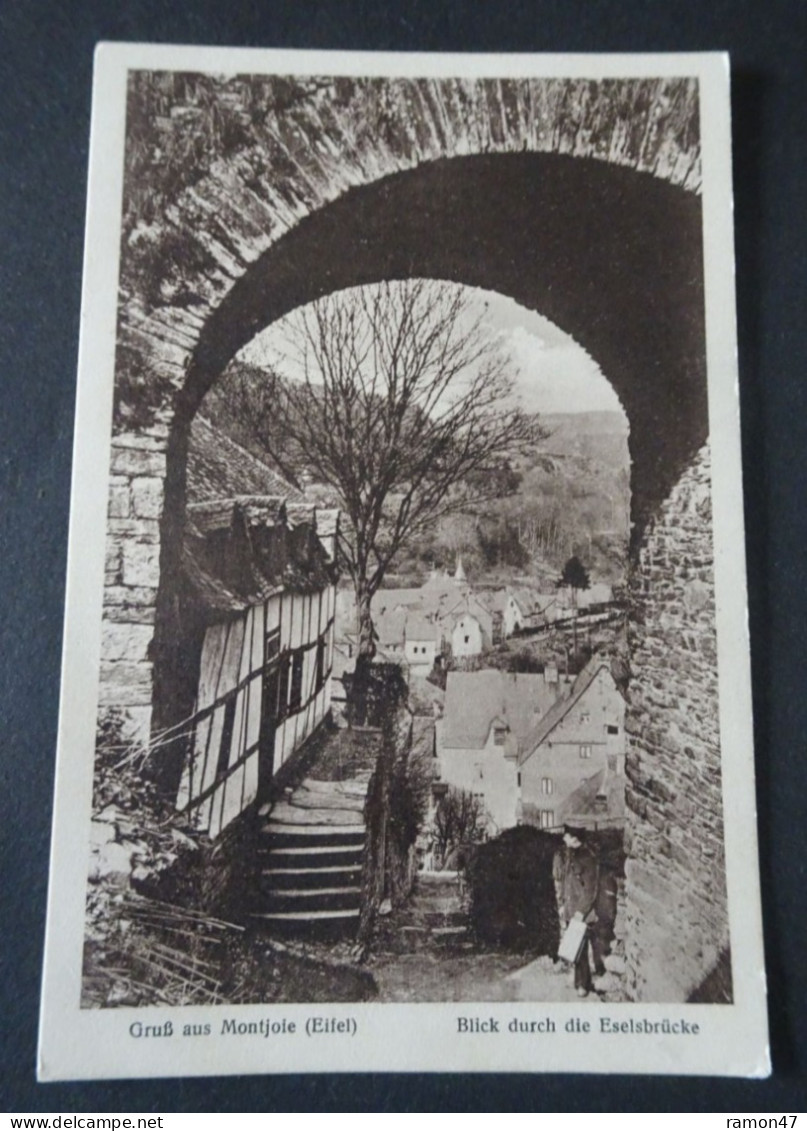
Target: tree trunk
<point x="366" y="632"/>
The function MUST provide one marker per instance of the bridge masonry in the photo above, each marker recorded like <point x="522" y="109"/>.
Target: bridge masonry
<point x="676" y="885"/>
<point x="287" y="153"/>
<point x="132" y="575"/>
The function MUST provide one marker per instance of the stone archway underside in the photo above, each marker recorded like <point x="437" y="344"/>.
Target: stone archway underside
<point x="610" y="255"/>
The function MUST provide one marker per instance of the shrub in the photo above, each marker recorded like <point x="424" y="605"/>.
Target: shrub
<point x="513" y="901"/>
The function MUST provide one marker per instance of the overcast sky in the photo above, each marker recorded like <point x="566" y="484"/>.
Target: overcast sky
<point x="554" y="373"/>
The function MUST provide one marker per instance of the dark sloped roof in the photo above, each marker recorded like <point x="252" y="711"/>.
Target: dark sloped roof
<point x="238" y="552"/>
<point x="418" y="627"/>
<point x="562" y="706"/>
<point x="218" y="467"/>
<point x="217" y="514"/>
<point x="389" y="626"/>
<point x="475" y="699"/>
<point x="385" y="600"/>
<point x="598" y="798"/>
<point x="299" y="513"/>
<point x="248" y="533"/>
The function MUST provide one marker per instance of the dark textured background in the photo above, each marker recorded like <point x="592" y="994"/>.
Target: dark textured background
<point x="45" y="66"/>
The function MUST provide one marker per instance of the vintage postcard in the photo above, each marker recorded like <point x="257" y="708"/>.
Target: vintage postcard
<point x="406" y="717"/>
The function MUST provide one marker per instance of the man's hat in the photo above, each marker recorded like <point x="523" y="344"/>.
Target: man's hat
<point x="574" y="830"/>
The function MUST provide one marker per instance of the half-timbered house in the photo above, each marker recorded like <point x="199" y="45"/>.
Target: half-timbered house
<point x="260" y="576"/>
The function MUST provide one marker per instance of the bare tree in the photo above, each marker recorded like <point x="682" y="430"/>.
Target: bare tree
<point x="399" y="399"/>
<point x="460" y="818"/>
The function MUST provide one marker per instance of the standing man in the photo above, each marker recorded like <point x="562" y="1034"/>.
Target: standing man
<point x="576" y="872"/>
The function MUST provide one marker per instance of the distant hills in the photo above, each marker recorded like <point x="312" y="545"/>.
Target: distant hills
<point x="573" y="498"/>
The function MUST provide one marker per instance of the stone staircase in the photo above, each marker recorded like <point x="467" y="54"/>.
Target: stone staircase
<point x="434" y="918"/>
<point x="311" y="847"/>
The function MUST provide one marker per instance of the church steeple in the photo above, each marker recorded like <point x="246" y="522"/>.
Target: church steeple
<point x="459" y="572"/>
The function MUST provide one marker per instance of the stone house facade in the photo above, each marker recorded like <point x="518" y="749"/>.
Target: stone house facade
<point x="487" y="715"/>
<point x="580" y="739"/>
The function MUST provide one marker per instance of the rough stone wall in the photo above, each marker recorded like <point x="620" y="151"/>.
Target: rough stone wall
<point x="132" y="575"/>
<point x="676" y="917"/>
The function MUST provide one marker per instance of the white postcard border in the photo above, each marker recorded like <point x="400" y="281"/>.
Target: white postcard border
<point x="82" y="1044"/>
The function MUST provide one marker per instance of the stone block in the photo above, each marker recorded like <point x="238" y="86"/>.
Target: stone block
<point x="137" y="461"/>
<point x="125" y="641"/>
<point x="112" y="561"/>
<point x="120" y="614"/>
<point x="119" y="502"/>
<point x="111" y="860"/>
<point x="141" y="564"/>
<point x="125" y="684"/>
<point x="147" y="497"/>
<point x="152" y="439"/>
<point x="129" y="596"/>
<point x="139" y="529"/>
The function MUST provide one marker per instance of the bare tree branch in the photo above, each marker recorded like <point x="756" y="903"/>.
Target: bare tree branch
<point x="398" y="398"/>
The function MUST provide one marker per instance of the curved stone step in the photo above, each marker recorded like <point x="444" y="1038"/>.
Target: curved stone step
<point x="285" y="814"/>
<point x="277" y="839"/>
<point x="351" y="787"/>
<point x="290" y="878"/>
<point x="306" y="916"/>
<point x="326" y="855"/>
<point x="313" y="899"/>
<point x="311" y="893"/>
<point x="306" y="799"/>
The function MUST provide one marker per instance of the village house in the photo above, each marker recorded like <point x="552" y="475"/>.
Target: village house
<point x="260" y="581"/>
<point x="409" y="624"/>
<point x="578" y="745"/>
<point x="535" y="748"/>
<point x="520" y="608"/>
<point x="467" y="626"/>
<point x="468" y="638"/>
<point x="487" y="716"/>
<point x="421" y="643"/>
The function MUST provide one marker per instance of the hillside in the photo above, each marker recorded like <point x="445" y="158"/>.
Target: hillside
<point x="573" y="498"/>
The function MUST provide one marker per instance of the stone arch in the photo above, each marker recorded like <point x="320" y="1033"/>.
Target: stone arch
<point x="586" y="243"/>
<point x="541" y="190"/>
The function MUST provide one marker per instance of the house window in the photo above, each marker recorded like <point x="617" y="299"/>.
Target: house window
<point x="296" y="694"/>
<point x="467" y="639"/>
<point x="499" y="736"/>
<point x="226" y="737"/>
<point x="320" y="669"/>
<point x="283" y="687"/>
<point x="585" y="750"/>
<point x="547" y="785"/>
<point x="272" y="644"/>
<point x="547" y="817"/>
<point x="518" y="779"/>
<point x="585" y="717"/>
<point x="612" y="730"/>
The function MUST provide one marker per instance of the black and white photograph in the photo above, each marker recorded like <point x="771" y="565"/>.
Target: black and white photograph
<point x="406" y="679"/>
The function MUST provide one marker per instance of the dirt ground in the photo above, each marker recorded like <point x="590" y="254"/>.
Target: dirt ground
<point x="473" y="976"/>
